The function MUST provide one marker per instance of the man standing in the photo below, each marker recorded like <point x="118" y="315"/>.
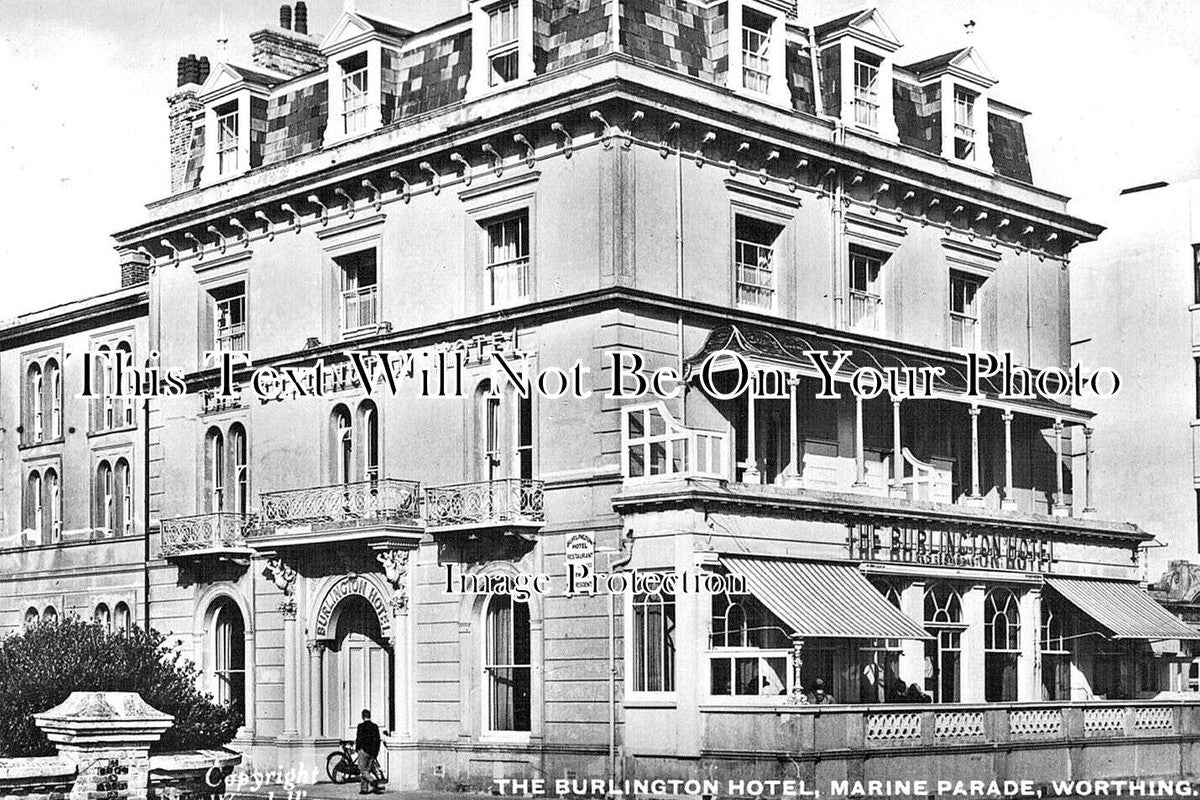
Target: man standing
<point x="366" y="742"/>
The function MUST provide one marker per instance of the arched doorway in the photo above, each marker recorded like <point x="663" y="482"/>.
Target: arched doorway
<point x="364" y="667"/>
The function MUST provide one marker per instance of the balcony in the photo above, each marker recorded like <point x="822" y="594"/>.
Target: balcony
<point x="511" y="503"/>
<point x="381" y="512"/>
<point x="220" y="536"/>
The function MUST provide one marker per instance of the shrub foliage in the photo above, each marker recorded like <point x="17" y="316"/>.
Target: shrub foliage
<point x="42" y="665"/>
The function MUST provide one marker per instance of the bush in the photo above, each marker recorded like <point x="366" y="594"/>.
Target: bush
<point x="41" y="666"/>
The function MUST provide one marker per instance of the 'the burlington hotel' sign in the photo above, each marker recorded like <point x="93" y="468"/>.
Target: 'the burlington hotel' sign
<point x="950" y="548"/>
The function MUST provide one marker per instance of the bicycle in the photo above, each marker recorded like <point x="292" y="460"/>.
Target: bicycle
<point x="342" y="765"/>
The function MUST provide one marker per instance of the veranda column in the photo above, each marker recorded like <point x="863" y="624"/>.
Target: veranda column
<point x="793" y="473"/>
<point x="1087" y="469"/>
<point x="1060" y="508"/>
<point x="976" y="497"/>
<point x="751" y="473"/>
<point x="897" y="453"/>
<point x="860" y="459"/>
<point x="291" y="669"/>
<point x="1009" y="502"/>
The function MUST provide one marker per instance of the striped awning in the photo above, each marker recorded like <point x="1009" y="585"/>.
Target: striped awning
<point x="823" y="600"/>
<point x="1122" y="608"/>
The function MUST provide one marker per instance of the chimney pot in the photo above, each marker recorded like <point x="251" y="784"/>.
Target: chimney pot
<point x="181" y="71"/>
<point x="202" y="69"/>
<point x="285" y="17"/>
<point x="302" y="17"/>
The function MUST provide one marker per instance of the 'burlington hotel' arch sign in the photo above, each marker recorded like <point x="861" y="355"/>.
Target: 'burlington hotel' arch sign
<point x="352" y="585"/>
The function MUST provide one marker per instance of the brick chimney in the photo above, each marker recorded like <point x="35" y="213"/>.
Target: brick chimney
<point x="135" y="268"/>
<point x="292" y="52"/>
<point x="183" y="105"/>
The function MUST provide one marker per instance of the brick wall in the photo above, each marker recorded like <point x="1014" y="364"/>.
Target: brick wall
<point x="566" y="33"/>
<point x="1010" y="156"/>
<point x="296" y="123"/>
<point x="183" y="106"/>
<point x="918" y="115"/>
<point x="425" y="78"/>
<point x="286" y="51"/>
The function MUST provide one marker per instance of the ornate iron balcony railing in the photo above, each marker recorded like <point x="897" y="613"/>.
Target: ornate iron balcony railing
<point x="386" y="500"/>
<point x="222" y="531"/>
<point x="498" y="502"/>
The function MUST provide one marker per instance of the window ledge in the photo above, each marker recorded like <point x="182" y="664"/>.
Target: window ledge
<point x="26" y="446"/>
<point x="505" y="737"/>
<point x="108" y="431"/>
<point x="650" y="701"/>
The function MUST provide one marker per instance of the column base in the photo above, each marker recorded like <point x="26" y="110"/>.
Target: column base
<point x="973" y="500"/>
<point x="793" y="481"/>
<point x="752" y="476"/>
<point x="1008" y="505"/>
<point x="1061" y="510"/>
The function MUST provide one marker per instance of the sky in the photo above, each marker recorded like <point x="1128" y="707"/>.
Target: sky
<point x="83" y="134"/>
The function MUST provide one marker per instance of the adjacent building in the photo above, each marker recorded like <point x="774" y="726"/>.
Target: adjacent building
<point x="723" y="190"/>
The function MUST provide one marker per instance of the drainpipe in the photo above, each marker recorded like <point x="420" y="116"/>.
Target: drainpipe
<point x="679" y="261"/>
<point x="146" y="514"/>
<point x="622" y="560"/>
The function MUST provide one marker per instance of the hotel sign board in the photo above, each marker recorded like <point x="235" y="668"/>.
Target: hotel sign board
<point x="950" y="548"/>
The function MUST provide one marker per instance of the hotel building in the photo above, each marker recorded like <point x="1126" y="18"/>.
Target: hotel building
<point x="721" y="189"/>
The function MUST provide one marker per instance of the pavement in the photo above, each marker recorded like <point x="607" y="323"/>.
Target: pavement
<point x="349" y="791"/>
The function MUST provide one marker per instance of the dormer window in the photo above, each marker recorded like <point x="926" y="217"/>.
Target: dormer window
<point x="866" y="90"/>
<point x="355" y="97"/>
<point x="756" y="51"/>
<point x="503" y="44"/>
<point x="964" y="124"/>
<point x="227" y="139"/>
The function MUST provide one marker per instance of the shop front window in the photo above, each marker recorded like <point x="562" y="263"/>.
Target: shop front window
<point x="1056" y="658"/>
<point x="750" y="650"/>
<point x="943" y="652"/>
<point x="1002" y="627"/>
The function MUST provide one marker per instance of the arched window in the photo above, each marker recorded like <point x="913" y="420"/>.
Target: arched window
<point x="124" y="408"/>
<point x="124" y="498"/>
<point x="36" y="393"/>
<point x="103" y="617"/>
<point x="229" y="655"/>
<point x="104" y="513"/>
<point x="342" y="451"/>
<point x="214" y="469"/>
<point x="52" y="507"/>
<point x="50" y="615"/>
<point x="943" y="653"/>
<point x="122" y="618"/>
<point x="1001" y="644"/>
<point x="369" y="417"/>
<point x="31" y="617"/>
<point x="241" y="468"/>
<point x="53" y="402"/>
<point x="507" y="669"/>
<point x="33" y="505"/>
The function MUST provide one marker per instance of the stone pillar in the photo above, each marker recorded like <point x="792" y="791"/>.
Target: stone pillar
<point x="912" y="655"/>
<point x="1029" y="665"/>
<point x="975" y="495"/>
<point x="751" y="474"/>
<point x="1087" y="469"/>
<point x="972" y="644"/>
<point x="108" y="736"/>
<point x="316" y="688"/>
<point x="291" y="671"/>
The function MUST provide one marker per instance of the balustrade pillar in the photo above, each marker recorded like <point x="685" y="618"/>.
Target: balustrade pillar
<point x="1008" y="502"/>
<point x="860" y="459"/>
<point x="797" y="697"/>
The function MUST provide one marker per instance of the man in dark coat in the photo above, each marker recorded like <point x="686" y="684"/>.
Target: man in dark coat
<point x="366" y="743"/>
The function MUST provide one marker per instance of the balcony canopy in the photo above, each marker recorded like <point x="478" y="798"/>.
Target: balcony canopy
<point x="1124" y="609"/>
<point x="823" y="600"/>
<point x="789" y="350"/>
